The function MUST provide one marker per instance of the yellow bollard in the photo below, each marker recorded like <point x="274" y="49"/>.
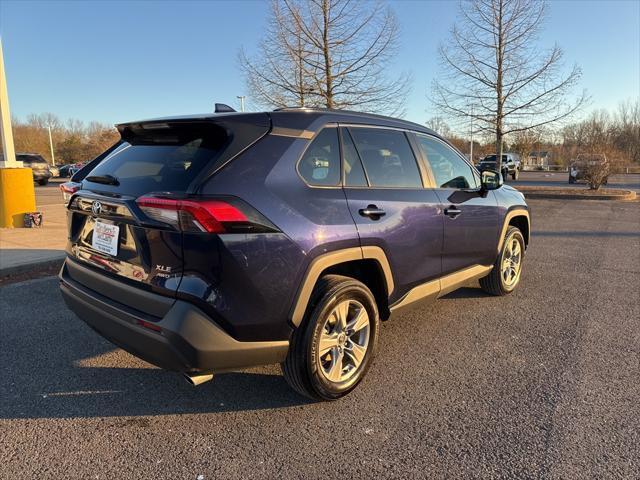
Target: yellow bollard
<point x="17" y="196"/>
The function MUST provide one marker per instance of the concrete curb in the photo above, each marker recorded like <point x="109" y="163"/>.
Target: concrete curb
<point x="564" y="194"/>
<point x="32" y="267"/>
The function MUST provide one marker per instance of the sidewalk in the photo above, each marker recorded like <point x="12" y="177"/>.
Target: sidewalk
<point x="26" y="249"/>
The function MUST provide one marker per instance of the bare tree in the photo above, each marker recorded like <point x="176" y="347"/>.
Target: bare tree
<point x="525" y="141"/>
<point x="278" y="77"/>
<point x="74" y="142"/>
<point x="330" y="53"/>
<point x="627" y="129"/>
<point x="496" y="73"/>
<point x="439" y="125"/>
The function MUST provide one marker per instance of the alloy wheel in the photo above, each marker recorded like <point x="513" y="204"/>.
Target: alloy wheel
<point x="344" y="340"/>
<point x="511" y="262"/>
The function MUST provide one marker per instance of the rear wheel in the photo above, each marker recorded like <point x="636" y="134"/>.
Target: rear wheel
<point x="334" y="346"/>
<point x="43" y="182"/>
<point x="505" y="275"/>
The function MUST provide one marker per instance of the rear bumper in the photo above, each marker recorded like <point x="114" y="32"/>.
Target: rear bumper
<point x="184" y="339"/>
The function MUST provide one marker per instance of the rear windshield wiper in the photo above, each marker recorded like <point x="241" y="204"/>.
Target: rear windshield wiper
<point x="104" y="179"/>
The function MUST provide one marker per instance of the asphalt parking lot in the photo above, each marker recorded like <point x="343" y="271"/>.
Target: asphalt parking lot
<point x="540" y="384"/>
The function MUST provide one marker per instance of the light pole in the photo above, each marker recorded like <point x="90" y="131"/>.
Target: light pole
<point x="241" y="97"/>
<point x="471" y="135"/>
<point x="9" y="158"/>
<point x="53" y="158"/>
<point x="16" y="183"/>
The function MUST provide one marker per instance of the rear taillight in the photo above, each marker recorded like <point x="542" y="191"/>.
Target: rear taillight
<point x="70" y="187"/>
<point x="210" y="215"/>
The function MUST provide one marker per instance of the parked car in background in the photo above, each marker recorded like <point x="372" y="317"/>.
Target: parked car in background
<point x="64" y="171"/>
<point x="67" y="171"/>
<point x="510" y="164"/>
<point x="579" y="168"/>
<point x="208" y="243"/>
<point x="37" y="164"/>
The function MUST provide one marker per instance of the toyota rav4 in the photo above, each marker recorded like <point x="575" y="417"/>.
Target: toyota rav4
<point x="209" y="243"/>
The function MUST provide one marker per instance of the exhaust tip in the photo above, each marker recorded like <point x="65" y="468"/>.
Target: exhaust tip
<point x="196" y="379"/>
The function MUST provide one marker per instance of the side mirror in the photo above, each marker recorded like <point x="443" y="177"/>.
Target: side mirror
<point x="490" y="180"/>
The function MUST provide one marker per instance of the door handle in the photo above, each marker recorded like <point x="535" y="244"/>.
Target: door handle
<point x="452" y="211"/>
<point x="372" y="211"/>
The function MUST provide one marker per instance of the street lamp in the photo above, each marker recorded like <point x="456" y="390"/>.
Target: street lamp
<point x="53" y="158"/>
<point x="241" y="98"/>
<point x="471" y="135"/>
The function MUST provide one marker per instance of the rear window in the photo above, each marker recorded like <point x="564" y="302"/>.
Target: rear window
<point x="161" y="157"/>
<point x="151" y="168"/>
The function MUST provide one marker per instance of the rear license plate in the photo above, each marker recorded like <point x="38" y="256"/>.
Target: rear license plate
<point x="105" y="238"/>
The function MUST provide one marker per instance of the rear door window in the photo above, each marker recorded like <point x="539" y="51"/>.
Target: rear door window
<point x="387" y="157"/>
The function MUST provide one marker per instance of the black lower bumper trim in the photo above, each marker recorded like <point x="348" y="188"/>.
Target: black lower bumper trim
<point x="187" y="340"/>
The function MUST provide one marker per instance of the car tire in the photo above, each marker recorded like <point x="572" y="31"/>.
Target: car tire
<point x="334" y="371"/>
<point x="505" y="275"/>
<point x="43" y="182"/>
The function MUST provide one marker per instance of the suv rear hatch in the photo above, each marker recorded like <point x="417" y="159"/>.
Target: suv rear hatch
<point x="137" y="200"/>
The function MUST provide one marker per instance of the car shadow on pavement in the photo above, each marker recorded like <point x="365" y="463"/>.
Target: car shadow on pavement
<point x="66" y="390"/>
<point x="53" y="366"/>
<point x="466" y="292"/>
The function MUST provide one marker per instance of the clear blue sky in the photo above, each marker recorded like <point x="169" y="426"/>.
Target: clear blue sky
<point x="118" y="61"/>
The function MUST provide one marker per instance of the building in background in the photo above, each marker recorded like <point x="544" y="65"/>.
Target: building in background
<point x="538" y="160"/>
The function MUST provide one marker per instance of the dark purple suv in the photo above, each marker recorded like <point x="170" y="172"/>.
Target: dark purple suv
<point x="209" y="243"/>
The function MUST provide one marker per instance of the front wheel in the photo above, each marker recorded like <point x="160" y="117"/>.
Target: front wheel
<point x="334" y="346"/>
<point x="505" y="275"/>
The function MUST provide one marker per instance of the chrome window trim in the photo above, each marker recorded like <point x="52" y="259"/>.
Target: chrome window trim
<point x="292" y="132"/>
